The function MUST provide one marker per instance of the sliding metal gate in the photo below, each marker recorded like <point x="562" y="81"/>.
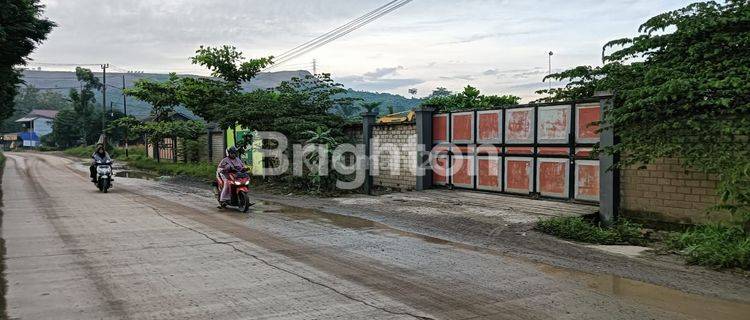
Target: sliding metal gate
<point x="537" y="150"/>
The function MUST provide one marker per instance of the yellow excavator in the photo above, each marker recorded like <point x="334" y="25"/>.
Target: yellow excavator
<point x="398" y="117"/>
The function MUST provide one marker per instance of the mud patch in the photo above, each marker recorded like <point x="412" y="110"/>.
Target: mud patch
<point x="660" y="297"/>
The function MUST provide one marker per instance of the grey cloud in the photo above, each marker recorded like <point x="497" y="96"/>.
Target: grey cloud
<point x="379" y="79"/>
<point x="383" y="72"/>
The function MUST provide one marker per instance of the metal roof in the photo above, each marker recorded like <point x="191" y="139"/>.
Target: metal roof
<point x="27" y="119"/>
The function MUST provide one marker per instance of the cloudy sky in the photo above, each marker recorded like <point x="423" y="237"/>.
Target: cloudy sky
<point x="498" y="46"/>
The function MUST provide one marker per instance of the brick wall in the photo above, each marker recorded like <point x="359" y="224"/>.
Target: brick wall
<point x="666" y="191"/>
<point x="394" y="155"/>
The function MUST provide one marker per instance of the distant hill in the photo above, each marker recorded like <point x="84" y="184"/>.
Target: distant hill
<point x="63" y="81"/>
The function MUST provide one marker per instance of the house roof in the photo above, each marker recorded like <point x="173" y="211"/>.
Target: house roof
<point x="50" y="114"/>
<point x="26" y="119"/>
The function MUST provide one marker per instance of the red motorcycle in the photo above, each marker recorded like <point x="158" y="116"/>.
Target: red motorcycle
<point x="239" y="182"/>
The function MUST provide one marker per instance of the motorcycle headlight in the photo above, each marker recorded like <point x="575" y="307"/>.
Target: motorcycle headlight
<point x="247" y="182"/>
<point x="237" y="183"/>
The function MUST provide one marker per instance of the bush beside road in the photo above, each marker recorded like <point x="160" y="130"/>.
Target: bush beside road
<point x="137" y="159"/>
<point x="714" y="246"/>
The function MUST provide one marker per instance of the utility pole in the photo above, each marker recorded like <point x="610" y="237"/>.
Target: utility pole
<point x="315" y="67"/>
<point x="104" y="101"/>
<point x="125" y="111"/>
<point x="549" y="65"/>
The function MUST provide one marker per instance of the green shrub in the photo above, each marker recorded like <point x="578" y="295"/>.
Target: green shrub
<point x="715" y="246"/>
<point x="579" y="229"/>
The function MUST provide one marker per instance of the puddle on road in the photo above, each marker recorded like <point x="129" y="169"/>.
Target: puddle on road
<point x="654" y="295"/>
<point x="136" y="175"/>
<point x="629" y="290"/>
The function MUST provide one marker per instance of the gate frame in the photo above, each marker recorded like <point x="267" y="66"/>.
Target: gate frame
<point x="572" y="146"/>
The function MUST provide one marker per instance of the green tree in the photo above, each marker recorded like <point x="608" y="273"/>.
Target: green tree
<point x="470" y="98"/>
<point x="21" y="29"/>
<point x="439" y="92"/>
<point x="161" y="95"/>
<point x="681" y="90"/>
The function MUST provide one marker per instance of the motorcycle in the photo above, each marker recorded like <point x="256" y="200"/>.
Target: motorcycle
<point x="103" y="175"/>
<point x="239" y="185"/>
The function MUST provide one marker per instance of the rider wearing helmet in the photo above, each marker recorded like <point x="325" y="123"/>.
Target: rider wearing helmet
<point x="230" y="163"/>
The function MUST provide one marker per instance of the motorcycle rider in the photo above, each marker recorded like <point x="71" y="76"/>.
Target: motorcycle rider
<point x="100" y="155"/>
<point x="230" y="163"/>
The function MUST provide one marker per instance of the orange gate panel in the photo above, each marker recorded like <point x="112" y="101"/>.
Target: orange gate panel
<point x="518" y="175"/>
<point x="488" y="125"/>
<point x="587" y="180"/>
<point x="488" y="173"/>
<point x="462" y="171"/>
<point x="440" y="170"/>
<point x="462" y="127"/>
<point x="552" y="177"/>
<point x="519" y="125"/>
<point x="587" y="116"/>
<point x="440" y="128"/>
<point x="553" y="124"/>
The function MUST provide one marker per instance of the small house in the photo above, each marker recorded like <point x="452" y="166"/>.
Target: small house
<point x="36" y="124"/>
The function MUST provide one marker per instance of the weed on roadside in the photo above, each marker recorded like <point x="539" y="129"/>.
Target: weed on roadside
<point x="716" y="246"/>
<point x="583" y="230"/>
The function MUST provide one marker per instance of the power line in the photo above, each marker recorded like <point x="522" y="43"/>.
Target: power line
<point x="339" y="32"/>
<point x="331" y="36"/>
<point x="342" y="27"/>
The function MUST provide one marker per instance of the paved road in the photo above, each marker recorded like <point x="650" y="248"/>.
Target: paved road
<point x="140" y="252"/>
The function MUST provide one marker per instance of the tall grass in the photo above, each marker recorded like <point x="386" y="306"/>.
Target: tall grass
<point x="714" y="245"/>
<point x="580" y="229"/>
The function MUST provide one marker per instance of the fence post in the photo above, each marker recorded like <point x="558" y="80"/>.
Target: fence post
<point x="609" y="177"/>
<point x="174" y="149"/>
<point x="368" y="120"/>
<point x="423" y="117"/>
<point x="210" y="146"/>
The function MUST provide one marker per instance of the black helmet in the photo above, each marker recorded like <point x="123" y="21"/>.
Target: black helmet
<point x="231" y="150"/>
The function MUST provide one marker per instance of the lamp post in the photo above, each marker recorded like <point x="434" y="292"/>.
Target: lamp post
<point x="549" y="72"/>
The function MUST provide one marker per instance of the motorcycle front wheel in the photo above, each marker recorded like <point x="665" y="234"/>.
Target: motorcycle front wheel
<point x="243" y="201"/>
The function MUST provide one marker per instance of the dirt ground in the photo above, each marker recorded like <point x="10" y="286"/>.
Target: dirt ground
<point x="161" y="250"/>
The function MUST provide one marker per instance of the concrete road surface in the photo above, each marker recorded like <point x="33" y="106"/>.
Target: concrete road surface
<point x="141" y="252"/>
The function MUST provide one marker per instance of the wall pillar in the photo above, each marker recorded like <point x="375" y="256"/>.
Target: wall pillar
<point x="609" y="176"/>
<point x="423" y="117"/>
<point x="368" y="121"/>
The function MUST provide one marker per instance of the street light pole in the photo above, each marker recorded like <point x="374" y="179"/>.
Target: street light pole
<point x="104" y="101"/>
<point x="549" y="65"/>
<point x="125" y="111"/>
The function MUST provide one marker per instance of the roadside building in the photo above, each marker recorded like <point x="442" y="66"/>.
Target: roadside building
<point x="36" y="124"/>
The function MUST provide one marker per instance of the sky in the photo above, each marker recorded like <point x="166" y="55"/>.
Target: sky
<point x="500" y="46"/>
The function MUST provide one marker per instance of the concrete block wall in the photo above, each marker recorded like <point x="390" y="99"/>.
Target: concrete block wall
<point x="666" y="191"/>
<point x="394" y="158"/>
